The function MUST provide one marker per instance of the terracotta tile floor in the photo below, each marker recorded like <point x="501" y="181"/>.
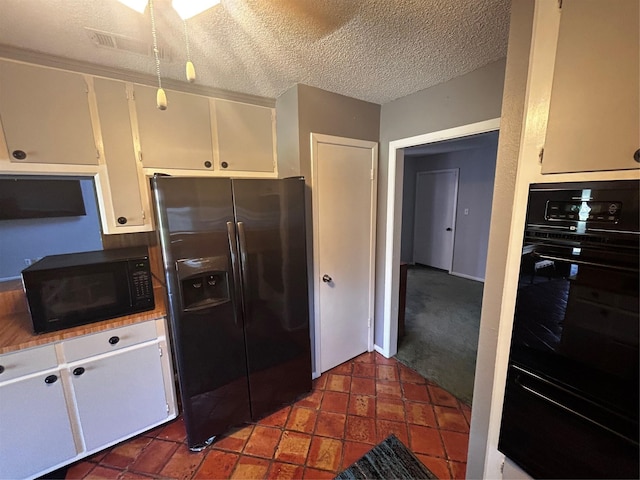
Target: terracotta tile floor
<point x="351" y="409"/>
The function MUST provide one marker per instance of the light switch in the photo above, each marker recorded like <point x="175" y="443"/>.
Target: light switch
<point x="466" y="211"/>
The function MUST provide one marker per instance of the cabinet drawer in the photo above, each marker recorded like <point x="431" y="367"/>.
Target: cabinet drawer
<point x="25" y="362"/>
<point x="109" y="340"/>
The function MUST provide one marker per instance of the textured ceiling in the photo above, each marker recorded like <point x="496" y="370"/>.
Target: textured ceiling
<point x="374" y="50"/>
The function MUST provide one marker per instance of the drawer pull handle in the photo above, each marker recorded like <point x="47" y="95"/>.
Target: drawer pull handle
<point x="1" y="368"/>
<point x="78" y="371"/>
<point x="51" y="379"/>
<point x="114" y="340"/>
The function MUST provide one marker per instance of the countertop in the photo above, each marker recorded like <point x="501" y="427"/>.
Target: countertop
<point x="16" y="331"/>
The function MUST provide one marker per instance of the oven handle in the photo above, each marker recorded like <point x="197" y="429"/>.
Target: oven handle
<point x="518" y="381"/>
<point x="584" y="262"/>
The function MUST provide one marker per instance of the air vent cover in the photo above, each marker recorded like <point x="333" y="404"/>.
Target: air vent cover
<point x="127" y="44"/>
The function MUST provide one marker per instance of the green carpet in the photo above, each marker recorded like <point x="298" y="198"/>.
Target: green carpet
<point x="442" y="323"/>
<point x="390" y="459"/>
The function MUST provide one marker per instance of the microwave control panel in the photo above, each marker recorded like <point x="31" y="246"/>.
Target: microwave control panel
<point x="142" y="286"/>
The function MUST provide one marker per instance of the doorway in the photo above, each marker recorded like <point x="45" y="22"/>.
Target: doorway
<point x="394" y="201"/>
<point x="344" y="200"/>
<point x="448" y="298"/>
<point x="435" y="218"/>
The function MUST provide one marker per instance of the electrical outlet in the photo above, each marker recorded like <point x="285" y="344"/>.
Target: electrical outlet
<point x="466" y="211"/>
<point x="31" y="261"/>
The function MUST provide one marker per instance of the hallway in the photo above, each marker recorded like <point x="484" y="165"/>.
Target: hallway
<point x="442" y="324"/>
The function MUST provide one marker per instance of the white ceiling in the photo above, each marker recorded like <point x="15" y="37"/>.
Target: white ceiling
<point x="374" y="50"/>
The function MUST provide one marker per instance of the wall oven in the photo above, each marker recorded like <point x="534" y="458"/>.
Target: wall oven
<point x="571" y="399"/>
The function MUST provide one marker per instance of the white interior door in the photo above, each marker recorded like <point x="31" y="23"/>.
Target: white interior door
<point x="435" y="213"/>
<point x="344" y="196"/>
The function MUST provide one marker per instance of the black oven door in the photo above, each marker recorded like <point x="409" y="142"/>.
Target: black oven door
<point x="571" y="402"/>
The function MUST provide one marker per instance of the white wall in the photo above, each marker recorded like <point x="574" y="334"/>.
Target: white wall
<point x="475" y="190"/>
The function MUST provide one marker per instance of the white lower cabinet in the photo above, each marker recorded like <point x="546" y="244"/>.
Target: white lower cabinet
<point x="69" y="399"/>
<point x="35" y="429"/>
<point x="118" y="394"/>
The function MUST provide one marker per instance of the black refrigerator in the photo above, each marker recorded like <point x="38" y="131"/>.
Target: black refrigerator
<point x="234" y="254"/>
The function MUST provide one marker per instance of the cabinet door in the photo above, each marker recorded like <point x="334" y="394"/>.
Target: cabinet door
<point x="126" y="191"/>
<point x="45" y="115"/>
<point x="35" y="431"/>
<point x="119" y="395"/>
<point x="178" y="137"/>
<point x="244" y="135"/>
<point x="594" y="111"/>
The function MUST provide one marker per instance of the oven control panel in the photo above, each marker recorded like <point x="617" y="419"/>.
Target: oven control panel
<point x="583" y="211"/>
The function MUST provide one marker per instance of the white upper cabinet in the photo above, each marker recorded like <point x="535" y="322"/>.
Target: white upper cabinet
<point x="178" y="137"/>
<point x="594" y="112"/>
<point x="124" y="195"/>
<point x="45" y="115"/>
<point x="244" y="136"/>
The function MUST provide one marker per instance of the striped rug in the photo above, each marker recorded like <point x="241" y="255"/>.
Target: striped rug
<point x="390" y="459"/>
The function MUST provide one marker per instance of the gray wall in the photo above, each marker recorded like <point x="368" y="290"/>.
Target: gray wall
<point x="38" y="237"/>
<point x="475" y="191"/>
<point x="511" y="124"/>
<point x="470" y="98"/>
<point x="303" y="110"/>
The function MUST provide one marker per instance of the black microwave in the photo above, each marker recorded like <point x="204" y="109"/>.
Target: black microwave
<point x="79" y="288"/>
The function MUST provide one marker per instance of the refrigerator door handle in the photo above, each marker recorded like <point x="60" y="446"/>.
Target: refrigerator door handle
<point x="244" y="266"/>
<point x="233" y="248"/>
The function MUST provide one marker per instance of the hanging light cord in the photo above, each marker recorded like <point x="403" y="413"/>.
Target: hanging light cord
<point x="155" y="42"/>
<point x="186" y="40"/>
<point x="161" y="97"/>
<point x="190" y="69"/>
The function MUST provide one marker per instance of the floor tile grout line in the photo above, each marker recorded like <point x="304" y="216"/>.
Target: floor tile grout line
<point x="317" y="406"/>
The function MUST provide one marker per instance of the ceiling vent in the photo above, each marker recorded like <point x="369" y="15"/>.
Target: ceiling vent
<point x="126" y="44"/>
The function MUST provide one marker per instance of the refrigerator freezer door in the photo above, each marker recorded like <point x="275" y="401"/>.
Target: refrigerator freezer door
<point x="207" y="333"/>
<point x="272" y="243"/>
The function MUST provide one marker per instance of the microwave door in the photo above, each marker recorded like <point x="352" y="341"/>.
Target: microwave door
<point x="76" y="296"/>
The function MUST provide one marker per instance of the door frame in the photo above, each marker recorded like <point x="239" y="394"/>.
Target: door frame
<point x="454" y="210"/>
<point x="392" y="232"/>
<point x="316" y="139"/>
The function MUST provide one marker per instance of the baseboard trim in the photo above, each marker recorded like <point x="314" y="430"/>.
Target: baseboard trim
<point x="468" y="277"/>
<point x="382" y="351"/>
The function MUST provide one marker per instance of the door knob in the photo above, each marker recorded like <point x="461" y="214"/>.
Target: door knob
<point x="448" y="229"/>
<point x="326" y="278"/>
